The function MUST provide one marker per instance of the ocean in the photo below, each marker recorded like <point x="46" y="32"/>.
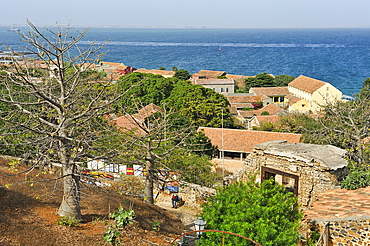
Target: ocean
<point x="340" y="56"/>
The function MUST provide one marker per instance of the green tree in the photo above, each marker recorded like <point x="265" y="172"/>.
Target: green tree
<point x="162" y="68"/>
<point x="283" y="80"/>
<point x="263" y="212"/>
<point x="260" y="80"/>
<point x="175" y="69"/>
<point x="200" y="106"/>
<point x="182" y="74"/>
<point x="365" y="90"/>
<point x="150" y="89"/>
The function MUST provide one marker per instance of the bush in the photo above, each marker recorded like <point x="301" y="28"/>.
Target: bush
<point x="265" y="213"/>
<point x="356" y="179"/>
<point x="265" y="113"/>
<point x="69" y="221"/>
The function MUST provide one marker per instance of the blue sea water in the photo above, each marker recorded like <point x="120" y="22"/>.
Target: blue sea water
<point x="340" y="56"/>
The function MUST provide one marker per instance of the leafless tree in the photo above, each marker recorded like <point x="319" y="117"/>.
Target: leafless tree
<point x="152" y="136"/>
<point x="60" y="115"/>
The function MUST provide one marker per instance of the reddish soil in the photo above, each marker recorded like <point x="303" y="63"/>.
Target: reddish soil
<point x="25" y="220"/>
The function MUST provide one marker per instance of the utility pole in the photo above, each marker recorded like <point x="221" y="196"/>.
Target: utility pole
<point x="222" y="140"/>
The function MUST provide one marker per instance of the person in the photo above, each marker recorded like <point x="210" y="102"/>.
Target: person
<point x="175" y="198"/>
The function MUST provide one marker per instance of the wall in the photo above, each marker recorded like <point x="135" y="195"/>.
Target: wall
<point x="319" y="97"/>
<point x="313" y="178"/>
<point x="298" y="106"/>
<point x="352" y="231"/>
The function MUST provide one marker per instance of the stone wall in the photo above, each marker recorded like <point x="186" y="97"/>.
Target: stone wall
<point x="313" y="177"/>
<point x="350" y="231"/>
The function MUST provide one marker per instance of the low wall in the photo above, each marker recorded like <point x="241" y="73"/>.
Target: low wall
<point x="353" y="231"/>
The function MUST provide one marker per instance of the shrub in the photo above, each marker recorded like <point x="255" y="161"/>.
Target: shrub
<point x="69" y="221"/>
<point x="265" y="213"/>
<point x="356" y="179"/>
<point x="265" y="113"/>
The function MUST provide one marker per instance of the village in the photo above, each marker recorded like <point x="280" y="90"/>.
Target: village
<point x="143" y="141"/>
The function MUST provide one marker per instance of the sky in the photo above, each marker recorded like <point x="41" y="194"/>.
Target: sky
<point x="186" y="13"/>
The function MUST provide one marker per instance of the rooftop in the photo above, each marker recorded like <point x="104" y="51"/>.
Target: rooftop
<point x="307" y="84"/>
<point x="244" y="140"/>
<point x="327" y="156"/>
<point x="214" y="81"/>
<point x="270" y="91"/>
<point x="340" y="204"/>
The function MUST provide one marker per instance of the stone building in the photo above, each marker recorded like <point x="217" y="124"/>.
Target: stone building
<point x="305" y="169"/>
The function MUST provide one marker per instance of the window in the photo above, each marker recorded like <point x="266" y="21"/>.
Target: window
<point x="281" y="99"/>
<point x="222" y="89"/>
<point x="276" y="99"/>
<point x="227" y="89"/>
<point x="327" y="88"/>
<point x="327" y="94"/>
<point x="214" y="89"/>
<point x="303" y="105"/>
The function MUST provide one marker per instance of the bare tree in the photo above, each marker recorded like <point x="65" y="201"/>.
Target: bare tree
<point x="58" y="115"/>
<point x="152" y="136"/>
<point x="346" y="125"/>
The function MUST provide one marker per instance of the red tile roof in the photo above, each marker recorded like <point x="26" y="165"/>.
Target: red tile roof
<point x="243" y="98"/>
<point x="307" y="84"/>
<point x="267" y="118"/>
<point x="209" y="74"/>
<point x="242" y="105"/>
<point x="270" y="91"/>
<point x="245" y="140"/>
<point x="214" y="81"/>
<point x="340" y="203"/>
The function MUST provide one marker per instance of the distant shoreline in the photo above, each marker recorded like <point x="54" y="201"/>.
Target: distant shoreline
<point x="196" y="27"/>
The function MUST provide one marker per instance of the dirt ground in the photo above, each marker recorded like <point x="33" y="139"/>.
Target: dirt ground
<point x="28" y="215"/>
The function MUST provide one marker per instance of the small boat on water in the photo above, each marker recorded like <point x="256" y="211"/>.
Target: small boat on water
<point x="11" y="29"/>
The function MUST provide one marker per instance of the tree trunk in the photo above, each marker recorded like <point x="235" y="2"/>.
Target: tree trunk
<point x="71" y="193"/>
<point x="148" y="190"/>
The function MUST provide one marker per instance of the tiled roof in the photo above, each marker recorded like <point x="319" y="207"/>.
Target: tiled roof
<point x="245" y="140"/>
<point x="209" y="74"/>
<point x="233" y="110"/>
<point x="271" y="109"/>
<point x="340" y="203"/>
<point x="294" y="100"/>
<point x="242" y="105"/>
<point x="156" y="72"/>
<point x="307" y="84"/>
<point x="267" y="118"/>
<point x="214" y="81"/>
<point x="270" y="91"/>
<point x="247" y="98"/>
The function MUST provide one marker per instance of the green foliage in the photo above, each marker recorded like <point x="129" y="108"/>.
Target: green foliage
<point x="365" y="90"/>
<point x="68" y="221"/>
<point x="182" y="74"/>
<point x="122" y="218"/>
<point x="315" y="236"/>
<point x="260" y="80"/>
<point x="175" y="69"/>
<point x="221" y="77"/>
<point x="356" y="179"/>
<point x="263" y="212"/>
<point x="283" y="80"/>
<point x="162" y="68"/>
<point x="156" y="225"/>
<point x="265" y="113"/>
<point x="200" y="145"/>
<point x="151" y="89"/>
<point x="195" y="169"/>
<point x="200" y="106"/>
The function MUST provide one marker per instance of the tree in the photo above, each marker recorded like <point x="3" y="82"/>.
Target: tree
<point x="260" y="80"/>
<point x="162" y="68"/>
<point x="152" y="140"/>
<point x="60" y="116"/>
<point x="283" y="80"/>
<point x="200" y="106"/>
<point x="182" y="74"/>
<point x="265" y="213"/>
<point x="365" y="90"/>
<point x="175" y="69"/>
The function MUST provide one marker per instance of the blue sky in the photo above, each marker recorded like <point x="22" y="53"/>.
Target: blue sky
<point x="197" y="13"/>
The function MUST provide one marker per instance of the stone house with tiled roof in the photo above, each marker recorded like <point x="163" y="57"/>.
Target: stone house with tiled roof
<point x="237" y="144"/>
<point x="217" y="85"/>
<point x="317" y="93"/>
